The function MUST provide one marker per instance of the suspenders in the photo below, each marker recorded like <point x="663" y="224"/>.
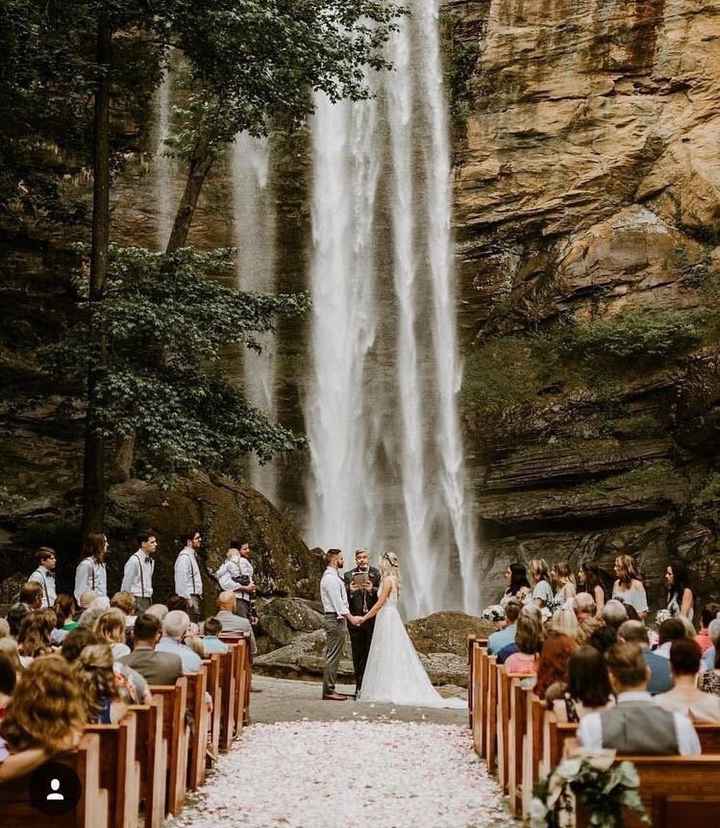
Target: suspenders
<point x="142" y="579"/>
<point x="44" y="580"/>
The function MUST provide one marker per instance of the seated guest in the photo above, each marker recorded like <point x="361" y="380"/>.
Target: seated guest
<point x="564" y="622"/>
<point x="31" y="594"/>
<point x="603" y="638"/>
<point x="501" y="638"/>
<point x="125" y="602"/>
<point x="75" y="642"/>
<point x="635" y="632"/>
<point x="636" y="725"/>
<point x="708" y="662"/>
<point x="15" y="616"/>
<point x="101" y="695"/>
<point x="672" y="629"/>
<point x="685" y="697"/>
<point x="34" y="637"/>
<point x="179" y="602"/>
<point x="8" y="648"/>
<point x="102" y="602"/>
<point x="89" y="617"/>
<point x="110" y="629"/>
<point x="528" y="641"/>
<point x="587" y="690"/>
<point x="586" y="613"/>
<point x="230" y="622"/>
<point x="65" y="610"/>
<point x="159" y="611"/>
<point x="707" y="616"/>
<point x="552" y="667"/>
<point x="85" y="600"/>
<point x="212" y="629"/>
<point x="709" y="680"/>
<point x="175" y="627"/>
<point x="155" y="667"/>
<point x="45" y="717"/>
<point x="8" y="679"/>
<point x="4" y="628"/>
<point x="614" y="613"/>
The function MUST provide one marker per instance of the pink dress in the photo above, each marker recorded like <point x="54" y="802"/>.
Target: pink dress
<point x="521" y="663"/>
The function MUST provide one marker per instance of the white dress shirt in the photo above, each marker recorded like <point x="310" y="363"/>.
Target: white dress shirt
<point x="90" y="576"/>
<point x="225" y="575"/>
<point x="188" y="580"/>
<point x="590" y="727"/>
<point x="333" y="594"/>
<point x="138" y="574"/>
<point x="46" y="579"/>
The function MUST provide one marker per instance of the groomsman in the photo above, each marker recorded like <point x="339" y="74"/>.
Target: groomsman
<point x="362" y="584"/>
<point x="91" y="573"/>
<point x="138" y="573"/>
<point x="337" y="614"/>
<point x="45" y="575"/>
<point x="188" y="581"/>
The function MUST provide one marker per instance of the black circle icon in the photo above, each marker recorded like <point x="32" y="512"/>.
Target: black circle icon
<point x="55" y="789"/>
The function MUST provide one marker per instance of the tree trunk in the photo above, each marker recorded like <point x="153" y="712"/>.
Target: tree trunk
<point x="94" y="460"/>
<point x="201" y="163"/>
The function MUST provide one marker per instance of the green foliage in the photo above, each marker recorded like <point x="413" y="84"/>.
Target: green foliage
<point x="648" y="475"/>
<point x="166" y="320"/>
<point x="636" y="335"/>
<point x="460" y="62"/>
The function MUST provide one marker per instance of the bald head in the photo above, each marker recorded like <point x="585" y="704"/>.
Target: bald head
<point x="226" y="601"/>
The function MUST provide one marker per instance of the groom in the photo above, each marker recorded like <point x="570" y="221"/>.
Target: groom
<point x="362" y="584"/>
<point x="336" y="614"/>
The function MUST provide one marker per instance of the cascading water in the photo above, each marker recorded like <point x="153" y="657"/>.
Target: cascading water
<point x="343" y="503"/>
<point x="351" y="500"/>
<point x="254" y="231"/>
<point x="440" y="249"/>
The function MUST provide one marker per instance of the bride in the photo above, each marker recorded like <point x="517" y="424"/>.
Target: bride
<point x="394" y="673"/>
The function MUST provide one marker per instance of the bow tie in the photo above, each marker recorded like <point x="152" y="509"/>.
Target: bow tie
<point x="148" y="559"/>
<point x="50" y="575"/>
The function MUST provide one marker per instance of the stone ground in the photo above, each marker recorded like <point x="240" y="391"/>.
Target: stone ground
<point x="305" y="763"/>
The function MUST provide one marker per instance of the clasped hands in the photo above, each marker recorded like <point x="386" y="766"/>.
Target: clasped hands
<point x="357" y="620"/>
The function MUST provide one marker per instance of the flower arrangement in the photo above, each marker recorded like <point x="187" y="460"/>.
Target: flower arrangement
<point x="494" y="613"/>
<point x="593" y="782"/>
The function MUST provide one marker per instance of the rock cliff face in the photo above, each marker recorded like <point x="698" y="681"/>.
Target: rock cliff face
<point x="587" y="213"/>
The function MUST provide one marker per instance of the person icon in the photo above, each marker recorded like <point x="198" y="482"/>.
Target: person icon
<point x="55" y="796"/>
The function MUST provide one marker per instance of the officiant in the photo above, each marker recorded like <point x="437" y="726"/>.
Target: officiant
<point x="362" y="584"/>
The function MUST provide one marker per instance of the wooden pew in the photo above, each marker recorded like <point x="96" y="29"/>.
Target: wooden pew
<point x="533" y="749"/>
<point x="471" y="639"/>
<point x="214" y="688"/>
<point x="479" y="696"/>
<point x="197" y="708"/>
<point x="517" y="743"/>
<point x="91" y="811"/>
<point x="491" y="736"/>
<point x="557" y="733"/>
<point x="119" y="770"/>
<point x="175" y="731"/>
<point x="676" y="791"/>
<point x="151" y="754"/>
<point x="242" y="660"/>
<point x="504" y="749"/>
<point x="227" y="709"/>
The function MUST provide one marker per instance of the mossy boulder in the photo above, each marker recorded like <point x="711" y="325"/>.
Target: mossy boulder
<point x="447" y="632"/>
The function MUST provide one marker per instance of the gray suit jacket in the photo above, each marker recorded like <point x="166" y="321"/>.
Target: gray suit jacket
<point x="232" y="623"/>
<point x="155" y="668"/>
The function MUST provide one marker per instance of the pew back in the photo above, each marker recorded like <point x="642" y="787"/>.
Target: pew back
<point x="151" y="754"/>
<point x="175" y="731"/>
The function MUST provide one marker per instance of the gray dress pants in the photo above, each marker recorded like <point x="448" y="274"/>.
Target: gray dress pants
<point x="335" y="638"/>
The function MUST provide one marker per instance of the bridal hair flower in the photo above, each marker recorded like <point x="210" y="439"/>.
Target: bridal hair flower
<point x="391" y="558"/>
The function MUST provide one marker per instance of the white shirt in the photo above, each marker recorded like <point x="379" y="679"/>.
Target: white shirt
<point x="333" y="594"/>
<point x="246" y="568"/>
<point x="590" y="727"/>
<point x="46" y="579"/>
<point x="634" y="595"/>
<point x="225" y="575"/>
<point x="188" y="580"/>
<point x="137" y="575"/>
<point x="90" y="576"/>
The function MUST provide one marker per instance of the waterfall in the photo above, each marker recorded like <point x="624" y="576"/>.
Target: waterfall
<point x="343" y="504"/>
<point x="164" y="185"/>
<point x="388" y="472"/>
<point x="440" y="249"/>
<point x="254" y="231"/>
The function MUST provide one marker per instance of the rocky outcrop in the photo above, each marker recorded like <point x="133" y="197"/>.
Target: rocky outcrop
<point x="587" y="211"/>
<point x="446" y="632"/>
<point x="281" y="619"/>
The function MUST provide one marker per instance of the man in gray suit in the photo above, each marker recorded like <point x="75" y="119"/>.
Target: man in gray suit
<point x="154" y="667"/>
<point x="232" y="623"/>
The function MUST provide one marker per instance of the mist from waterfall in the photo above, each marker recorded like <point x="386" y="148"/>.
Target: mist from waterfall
<point x="254" y="232"/>
<point x="389" y="472"/>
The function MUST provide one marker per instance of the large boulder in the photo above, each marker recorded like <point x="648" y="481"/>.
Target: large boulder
<point x="447" y="632"/>
<point x="304" y="658"/>
<point x="281" y="619"/>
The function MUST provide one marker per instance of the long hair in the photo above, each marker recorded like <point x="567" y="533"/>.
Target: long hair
<point x="8" y="648"/>
<point x="518" y="578"/>
<point x="529" y="632"/>
<point x="45" y="707"/>
<point x="628" y="571"/>
<point x="680" y="581"/>
<point x="94" y="545"/>
<point x="593" y="577"/>
<point x="539" y="569"/>
<point x="553" y="664"/>
<point x="110" y="627"/>
<point x="65" y="608"/>
<point x="95" y="678"/>
<point x="563" y="572"/>
<point x="35" y="631"/>
<point x="390" y="565"/>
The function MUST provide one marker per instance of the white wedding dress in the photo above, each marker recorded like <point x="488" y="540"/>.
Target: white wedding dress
<point x="394" y="674"/>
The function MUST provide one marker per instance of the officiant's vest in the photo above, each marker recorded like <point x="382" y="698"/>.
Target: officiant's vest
<point x="639" y="727"/>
